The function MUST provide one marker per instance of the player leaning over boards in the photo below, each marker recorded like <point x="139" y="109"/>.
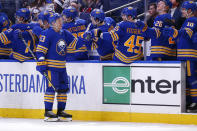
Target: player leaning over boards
<point x="128" y="36"/>
<point x="163" y="48"/>
<point x="5" y="50"/>
<point x="99" y="49"/>
<point x="51" y="55"/>
<point x="187" y="51"/>
<point x="14" y="36"/>
<point x="77" y="27"/>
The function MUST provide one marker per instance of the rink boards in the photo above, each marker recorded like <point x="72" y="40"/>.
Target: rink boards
<point x="140" y="92"/>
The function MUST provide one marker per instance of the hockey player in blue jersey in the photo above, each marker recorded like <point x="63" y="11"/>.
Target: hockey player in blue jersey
<point x="129" y="36"/>
<point x="5" y="49"/>
<point x="187" y="51"/>
<point x="77" y="27"/>
<point x="20" y="50"/>
<point x="100" y="49"/>
<point x="20" y="42"/>
<point x="23" y="17"/>
<point x="163" y="48"/>
<point x="51" y="54"/>
<point x="10" y="37"/>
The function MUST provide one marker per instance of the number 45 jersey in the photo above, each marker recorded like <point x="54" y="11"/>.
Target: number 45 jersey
<point x="128" y="39"/>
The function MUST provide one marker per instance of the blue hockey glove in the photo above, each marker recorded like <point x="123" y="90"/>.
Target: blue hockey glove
<point x="41" y="66"/>
<point x="87" y="36"/>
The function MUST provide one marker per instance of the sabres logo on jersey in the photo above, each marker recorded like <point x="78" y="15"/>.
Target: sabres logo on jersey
<point x="61" y="47"/>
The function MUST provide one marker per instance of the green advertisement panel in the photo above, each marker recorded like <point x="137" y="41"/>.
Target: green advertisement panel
<point x="116" y="85"/>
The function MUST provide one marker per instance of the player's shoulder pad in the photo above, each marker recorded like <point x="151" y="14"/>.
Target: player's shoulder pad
<point x="8" y="34"/>
<point x="121" y="24"/>
<point x="37" y="30"/>
<point x="46" y="32"/>
<point x="164" y="16"/>
<point x="167" y="15"/>
<point x="21" y="26"/>
<point x="103" y="28"/>
<point x="45" y="35"/>
<point x="66" y="32"/>
<point x="192" y="19"/>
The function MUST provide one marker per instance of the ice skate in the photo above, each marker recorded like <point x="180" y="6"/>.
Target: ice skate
<point x="50" y="117"/>
<point x="63" y="116"/>
<point x="192" y="108"/>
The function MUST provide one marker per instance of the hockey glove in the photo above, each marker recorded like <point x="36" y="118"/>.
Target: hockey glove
<point x="141" y="25"/>
<point x="41" y="66"/>
<point x="87" y="36"/>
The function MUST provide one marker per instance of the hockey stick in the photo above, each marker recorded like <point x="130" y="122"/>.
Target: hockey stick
<point x="45" y="74"/>
<point x="88" y="28"/>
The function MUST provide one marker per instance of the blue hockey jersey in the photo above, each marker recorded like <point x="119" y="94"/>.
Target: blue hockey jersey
<point x="22" y="27"/>
<point x="19" y="50"/>
<point x="53" y="47"/>
<point x="77" y="28"/>
<point x="163" y="47"/>
<point x="105" y="48"/>
<point x="5" y="49"/>
<point x="129" y="42"/>
<point x="5" y="46"/>
<point x="186" y="49"/>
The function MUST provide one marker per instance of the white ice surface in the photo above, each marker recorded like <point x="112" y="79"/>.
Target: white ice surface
<point x="13" y="124"/>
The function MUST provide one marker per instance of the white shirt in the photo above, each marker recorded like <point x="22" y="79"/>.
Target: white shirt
<point x="172" y="11"/>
